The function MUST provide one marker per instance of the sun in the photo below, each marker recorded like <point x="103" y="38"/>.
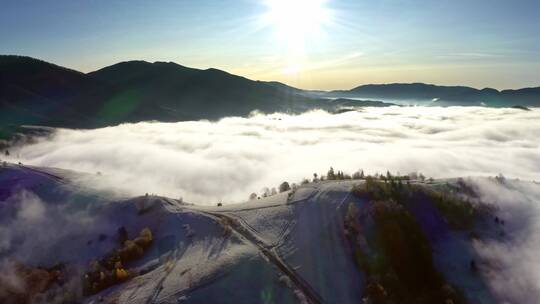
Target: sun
<point x="296" y="21"/>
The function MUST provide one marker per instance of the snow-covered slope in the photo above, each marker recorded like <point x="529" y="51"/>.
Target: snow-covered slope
<point x="303" y="246"/>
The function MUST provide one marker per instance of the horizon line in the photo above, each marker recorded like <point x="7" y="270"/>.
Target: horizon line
<point x="281" y="82"/>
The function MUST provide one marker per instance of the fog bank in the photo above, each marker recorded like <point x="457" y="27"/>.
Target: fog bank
<point x="206" y="162"/>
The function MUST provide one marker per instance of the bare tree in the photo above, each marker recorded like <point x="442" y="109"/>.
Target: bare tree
<point x="265" y="192"/>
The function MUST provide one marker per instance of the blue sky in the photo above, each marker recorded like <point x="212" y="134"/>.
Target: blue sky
<point x="479" y="43"/>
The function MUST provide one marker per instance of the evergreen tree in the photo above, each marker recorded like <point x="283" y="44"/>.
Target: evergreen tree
<point x="284" y="187"/>
<point x="331" y="175"/>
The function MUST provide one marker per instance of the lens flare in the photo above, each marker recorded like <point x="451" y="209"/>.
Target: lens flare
<point x="295" y="22"/>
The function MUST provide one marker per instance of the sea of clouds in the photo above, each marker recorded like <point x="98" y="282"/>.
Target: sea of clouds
<point x="206" y="162"/>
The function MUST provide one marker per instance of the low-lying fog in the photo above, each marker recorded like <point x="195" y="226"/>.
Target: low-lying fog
<point x="206" y="162"/>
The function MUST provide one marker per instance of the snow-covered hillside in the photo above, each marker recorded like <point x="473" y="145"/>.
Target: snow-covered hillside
<point x="325" y="242"/>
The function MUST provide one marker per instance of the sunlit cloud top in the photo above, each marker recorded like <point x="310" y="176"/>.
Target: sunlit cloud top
<point x="207" y="162"/>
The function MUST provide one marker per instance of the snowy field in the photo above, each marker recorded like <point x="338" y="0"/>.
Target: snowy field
<point x="288" y="248"/>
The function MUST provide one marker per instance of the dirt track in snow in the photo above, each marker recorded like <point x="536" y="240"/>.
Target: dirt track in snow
<point x="310" y="293"/>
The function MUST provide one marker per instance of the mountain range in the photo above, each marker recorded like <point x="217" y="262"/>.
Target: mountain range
<point x="444" y="95"/>
<point x="35" y="92"/>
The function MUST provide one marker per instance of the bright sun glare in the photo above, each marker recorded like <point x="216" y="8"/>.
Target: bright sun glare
<point x="294" y="23"/>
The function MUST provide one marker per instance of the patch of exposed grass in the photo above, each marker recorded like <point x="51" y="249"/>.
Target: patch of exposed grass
<point x="398" y="259"/>
<point x="459" y="213"/>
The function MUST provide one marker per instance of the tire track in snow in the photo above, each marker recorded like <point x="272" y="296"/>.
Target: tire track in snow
<point x="44" y="173"/>
<point x="311" y="294"/>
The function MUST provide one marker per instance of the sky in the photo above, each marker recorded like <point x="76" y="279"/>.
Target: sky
<point x="312" y="44"/>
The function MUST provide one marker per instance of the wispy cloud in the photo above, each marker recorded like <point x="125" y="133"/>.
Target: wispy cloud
<point x="512" y="266"/>
<point x="475" y="55"/>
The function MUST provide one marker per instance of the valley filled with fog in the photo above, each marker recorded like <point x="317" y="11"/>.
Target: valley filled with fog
<point x="207" y="162"/>
<point x="270" y="151"/>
